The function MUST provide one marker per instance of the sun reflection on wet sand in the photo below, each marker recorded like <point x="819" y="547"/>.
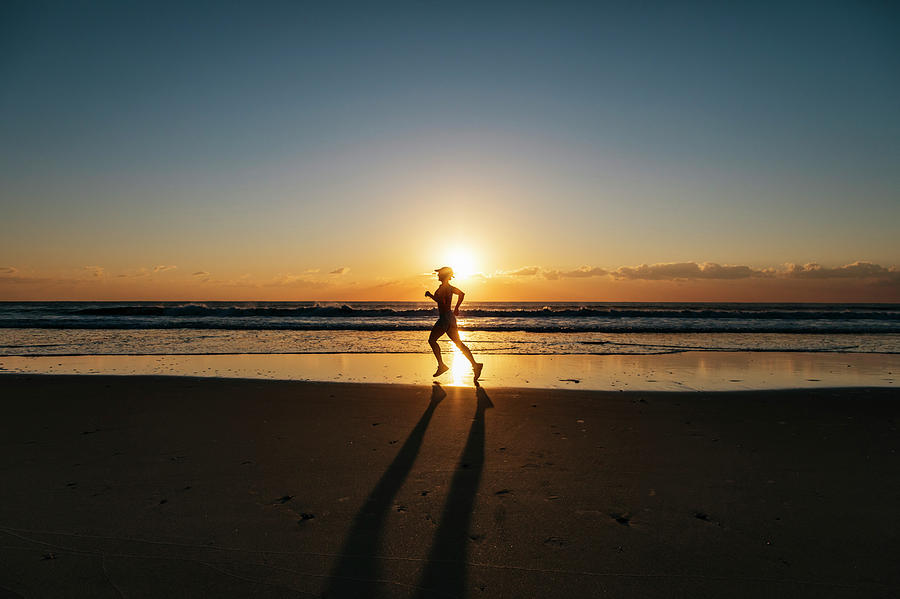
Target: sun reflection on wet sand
<point x="460" y="369"/>
<point x="688" y="371"/>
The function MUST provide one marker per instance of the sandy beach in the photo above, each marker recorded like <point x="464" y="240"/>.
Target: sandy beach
<point x="186" y="487"/>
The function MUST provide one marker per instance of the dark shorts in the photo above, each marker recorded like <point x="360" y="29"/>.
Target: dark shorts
<point x="446" y="324"/>
<point x="446" y="321"/>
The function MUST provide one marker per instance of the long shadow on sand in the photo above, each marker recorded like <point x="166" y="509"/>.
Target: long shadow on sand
<point x="445" y="572"/>
<point x="357" y="572"/>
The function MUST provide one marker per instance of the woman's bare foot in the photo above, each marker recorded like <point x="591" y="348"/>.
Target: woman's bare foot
<point x="477" y="368"/>
<point x="442" y="368"/>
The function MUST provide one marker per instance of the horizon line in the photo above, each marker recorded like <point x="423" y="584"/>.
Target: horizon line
<point x="345" y="301"/>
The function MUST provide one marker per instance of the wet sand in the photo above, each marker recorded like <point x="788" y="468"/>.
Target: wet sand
<point x="185" y="487"/>
<point x="684" y="371"/>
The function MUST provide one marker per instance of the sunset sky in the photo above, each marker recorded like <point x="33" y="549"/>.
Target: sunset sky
<point x="592" y="151"/>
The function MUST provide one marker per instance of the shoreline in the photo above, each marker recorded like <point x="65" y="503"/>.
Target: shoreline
<point x="606" y="394"/>
<point x="682" y="371"/>
<point x="419" y="353"/>
<point x="174" y="486"/>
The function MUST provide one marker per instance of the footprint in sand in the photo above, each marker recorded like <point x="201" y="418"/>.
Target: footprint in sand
<point x="623" y="519"/>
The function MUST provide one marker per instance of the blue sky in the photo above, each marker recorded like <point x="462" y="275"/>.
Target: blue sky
<point x="269" y="138"/>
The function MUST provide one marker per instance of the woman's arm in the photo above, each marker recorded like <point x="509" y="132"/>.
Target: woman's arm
<point x="429" y="294"/>
<point x="459" y="301"/>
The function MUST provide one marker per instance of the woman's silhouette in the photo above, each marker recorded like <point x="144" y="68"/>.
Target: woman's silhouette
<point x="446" y="322"/>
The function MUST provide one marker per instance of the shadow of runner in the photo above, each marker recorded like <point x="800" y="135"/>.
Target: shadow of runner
<point x="445" y="572"/>
<point x="357" y="572"/>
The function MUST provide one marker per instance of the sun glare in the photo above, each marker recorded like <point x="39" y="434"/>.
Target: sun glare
<point x="462" y="262"/>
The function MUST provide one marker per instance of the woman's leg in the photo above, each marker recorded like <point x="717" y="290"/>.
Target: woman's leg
<point x="436" y="332"/>
<point x="477" y="367"/>
<point x="453" y="333"/>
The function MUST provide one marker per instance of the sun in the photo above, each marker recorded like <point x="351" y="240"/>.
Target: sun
<point x="462" y="261"/>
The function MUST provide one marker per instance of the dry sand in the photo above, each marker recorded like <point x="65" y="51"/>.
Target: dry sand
<point x="181" y="487"/>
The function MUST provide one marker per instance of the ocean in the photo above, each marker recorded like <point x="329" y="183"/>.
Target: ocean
<point x="175" y="328"/>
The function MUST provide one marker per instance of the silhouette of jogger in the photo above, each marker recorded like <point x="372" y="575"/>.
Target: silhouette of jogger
<point x="446" y="322"/>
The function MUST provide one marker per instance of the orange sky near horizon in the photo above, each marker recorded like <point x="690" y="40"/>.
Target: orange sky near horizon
<point x="673" y="282"/>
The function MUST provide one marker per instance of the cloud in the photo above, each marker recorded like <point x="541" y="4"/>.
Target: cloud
<point x="340" y="271"/>
<point x="200" y="273"/>
<point x="141" y="272"/>
<point x="292" y="280"/>
<point x="579" y="273"/>
<point x="528" y="271"/>
<point x="95" y="271"/>
<point x="534" y="271"/>
<point x="669" y="271"/>
<point x="10" y="275"/>
<point x="855" y="270"/>
<point x="711" y="270"/>
<point x="679" y="271"/>
<point x="583" y="272"/>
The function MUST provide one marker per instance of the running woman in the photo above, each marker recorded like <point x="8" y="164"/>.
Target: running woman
<point x="446" y="322"/>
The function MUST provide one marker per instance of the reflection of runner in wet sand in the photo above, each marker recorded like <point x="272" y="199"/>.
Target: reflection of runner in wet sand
<point x="446" y="322"/>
